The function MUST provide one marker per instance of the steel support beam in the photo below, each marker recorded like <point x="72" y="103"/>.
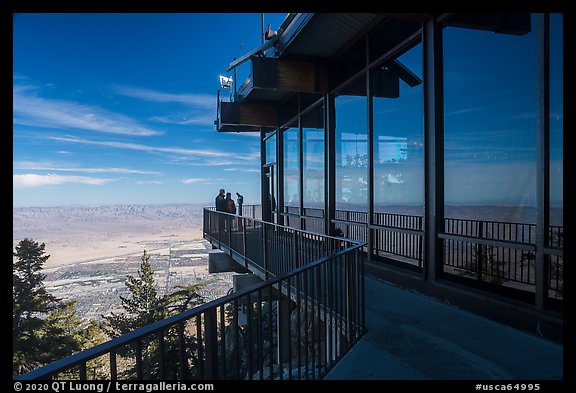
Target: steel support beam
<point x="329" y="164"/>
<point x="300" y="165"/>
<point x="279" y="179"/>
<point x="433" y="149"/>
<point x="543" y="160"/>
<point x="370" y="124"/>
<point x="265" y="199"/>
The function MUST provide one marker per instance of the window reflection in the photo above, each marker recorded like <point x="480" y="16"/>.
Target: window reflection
<point x="291" y="168"/>
<point x="556" y="121"/>
<point x="313" y="156"/>
<point x="351" y="153"/>
<point x="271" y="150"/>
<point x="490" y="132"/>
<point x="398" y="142"/>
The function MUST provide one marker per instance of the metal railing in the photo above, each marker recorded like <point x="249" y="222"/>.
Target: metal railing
<point x="297" y="324"/>
<point x="493" y="252"/>
<point x="395" y="236"/>
<point x="252" y="211"/>
<point x="271" y="248"/>
<point x="501" y="253"/>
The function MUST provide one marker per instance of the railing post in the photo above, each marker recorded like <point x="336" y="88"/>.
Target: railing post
<point x="211" y="340"/>
<point x="229" y="219"/>
<point x="265" y="250"/>
<point x="479" y="250"/>
<point x="181" y="352"/>
<point x="295" y="251"/>
<point x="83" y="374"/>
<point x="420" y="242"/>
<point x="204" y="222"/>
<point x="220" y="224"/>
<point x="113" y="367"/>
<point x="283" y="324"/>
<point x="242" y="220"/>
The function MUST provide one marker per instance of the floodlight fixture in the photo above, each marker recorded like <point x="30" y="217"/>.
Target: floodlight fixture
<point x="226" y="82"/>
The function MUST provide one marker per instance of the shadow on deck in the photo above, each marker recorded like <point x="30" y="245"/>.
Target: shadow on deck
<point x="412" y="337"/>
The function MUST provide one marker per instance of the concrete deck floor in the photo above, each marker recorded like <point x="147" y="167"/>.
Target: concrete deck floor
<point x="414" y="337"/>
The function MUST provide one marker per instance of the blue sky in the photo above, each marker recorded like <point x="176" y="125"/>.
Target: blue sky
<point x="119" y="108"/>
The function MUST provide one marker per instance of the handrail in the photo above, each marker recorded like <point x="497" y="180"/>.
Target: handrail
<point x="497" y="251"/>
<point x="207" y="312"/>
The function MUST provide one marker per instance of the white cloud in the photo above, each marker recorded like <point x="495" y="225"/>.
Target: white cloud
<point x="250" y="134"/>
<point x="39" y="166"/>
<point x="158" y="149"/>
<point x="218" y="162"/>
<point x="34" y="180"/>
<point x="31" y="110"/>
<point x="197" y="100"/>
<point x="242" y="170"/>
<point x="206" y="118"/>
<point x="200" y="180"/>
<point x="149" y="182"/>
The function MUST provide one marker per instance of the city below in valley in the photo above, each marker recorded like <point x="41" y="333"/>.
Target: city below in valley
<point x="93" y="249"/>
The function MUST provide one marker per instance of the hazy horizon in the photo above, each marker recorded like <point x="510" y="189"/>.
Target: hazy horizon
<point x="180" y="211"/>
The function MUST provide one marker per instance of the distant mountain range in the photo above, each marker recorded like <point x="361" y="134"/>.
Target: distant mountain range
<point x="30" y="221"/>
<point x="34" y="221"/>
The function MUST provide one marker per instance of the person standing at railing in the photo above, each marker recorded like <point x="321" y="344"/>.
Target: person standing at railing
<point x="230" y="208"/>
<point x="220" y="203"/>
<point x="230" y="205"/>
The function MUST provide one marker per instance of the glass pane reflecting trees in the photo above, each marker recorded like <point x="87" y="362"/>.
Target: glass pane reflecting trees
<point x="313" y="158"/>
<point x="351" y="135"/>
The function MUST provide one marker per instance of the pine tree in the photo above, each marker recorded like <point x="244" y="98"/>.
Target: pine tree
<point x="183" y="298"/>
<point x="65" y="333"/>
<point x="45" y="329"/>
<point x="31" y="303"/>
<point x="144" y="305"/>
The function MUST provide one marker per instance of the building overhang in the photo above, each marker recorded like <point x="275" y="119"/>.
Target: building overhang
<point x="310" y="48"/>
<point x="245" y="117"/>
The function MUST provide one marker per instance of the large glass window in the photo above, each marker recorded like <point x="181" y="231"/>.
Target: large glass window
<point x="556" y="230"/>
<point x="490" y="135"/>
<point x="271" y="150"/>
<point x="398" y="138"/>
<point x="313" y="165"/>
<point x="351" y="134"/>
<point x="291" y="168"/>
<point x="556" y="122"/>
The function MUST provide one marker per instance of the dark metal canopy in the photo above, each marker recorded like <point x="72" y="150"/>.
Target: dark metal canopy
<point x="311" y="46"/>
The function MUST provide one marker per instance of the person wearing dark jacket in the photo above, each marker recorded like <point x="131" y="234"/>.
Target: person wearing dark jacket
<point x="220" y="201"/>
